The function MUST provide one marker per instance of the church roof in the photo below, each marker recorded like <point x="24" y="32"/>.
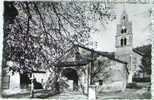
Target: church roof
<point x="138" y="51"/>
<point x="72" y="63"/>
<point x="109" y="55"/>
<point x="142" y="49"/>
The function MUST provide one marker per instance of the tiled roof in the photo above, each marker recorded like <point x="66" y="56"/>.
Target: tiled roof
<point x="105" y="54"/>
<point x="138" y="51"/>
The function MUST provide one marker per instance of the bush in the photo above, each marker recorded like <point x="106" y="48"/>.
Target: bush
<point x="133" y="86"/>
<point x="146" y="79"/>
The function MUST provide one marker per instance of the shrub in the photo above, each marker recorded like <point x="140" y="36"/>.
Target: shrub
<point x="146" y="79"/>
<point x="133" y="86"/>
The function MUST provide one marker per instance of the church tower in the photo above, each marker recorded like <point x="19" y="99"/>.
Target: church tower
<point x="124" y="38"/>
<point x="124" y="41"/>
<point x="124" y="34"/>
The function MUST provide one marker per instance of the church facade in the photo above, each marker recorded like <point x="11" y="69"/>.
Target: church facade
<point x="124" y="46"/>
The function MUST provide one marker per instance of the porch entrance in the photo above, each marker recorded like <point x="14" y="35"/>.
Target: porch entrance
<point x="71" y="77"/>
<point x="74" y="76"/>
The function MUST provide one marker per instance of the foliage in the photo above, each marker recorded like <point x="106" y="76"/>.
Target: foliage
<point x="146" y="60"/>
<point x="145" y="79"/>
<point x="41" y="32"/>
<point x="101" y="69"/>
<point x="37" y="34"/>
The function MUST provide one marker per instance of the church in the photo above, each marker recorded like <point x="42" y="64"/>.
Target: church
<point x="124" y="46"/>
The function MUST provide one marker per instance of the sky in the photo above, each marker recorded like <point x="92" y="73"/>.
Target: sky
<point x="139" y="16"/>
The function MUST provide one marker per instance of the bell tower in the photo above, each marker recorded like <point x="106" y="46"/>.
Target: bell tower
<point x="124" y="43"/>
<point x="124" y="35"/>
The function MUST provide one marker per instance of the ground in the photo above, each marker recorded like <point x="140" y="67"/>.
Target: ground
<point x="69" y="96"/>
<point x="133" y="93"/>
<point x="128" y="94"/>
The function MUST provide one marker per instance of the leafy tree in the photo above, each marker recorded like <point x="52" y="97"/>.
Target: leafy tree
<point x="38" y="34"/>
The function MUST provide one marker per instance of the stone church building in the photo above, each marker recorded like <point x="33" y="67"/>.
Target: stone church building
<point x="124" y="46"/>
<point x="122" y="65"/>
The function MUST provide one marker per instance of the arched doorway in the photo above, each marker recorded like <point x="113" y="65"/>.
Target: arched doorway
<point x="71" y="74"/>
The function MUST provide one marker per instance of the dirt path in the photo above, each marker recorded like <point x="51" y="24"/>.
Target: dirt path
<point x="69" y="96"/>
<point x="128" y="94"/>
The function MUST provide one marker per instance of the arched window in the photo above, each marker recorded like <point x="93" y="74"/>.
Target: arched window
<point x="121" y="41"/>
<point x="125" y="41"/>
<point x="123" y="30"/>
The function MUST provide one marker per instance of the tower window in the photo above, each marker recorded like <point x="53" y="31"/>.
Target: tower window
<point x="125" y="41"/>
<point x="123" y="30"/>
<point x="121" y="42"/>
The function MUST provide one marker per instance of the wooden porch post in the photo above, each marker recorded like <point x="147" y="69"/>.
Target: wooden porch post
<point x="32" y="86"/>
<point x="92" y="87"/>
<point x="92" y="67"/>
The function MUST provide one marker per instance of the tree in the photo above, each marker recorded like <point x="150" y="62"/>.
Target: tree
<point x="42" y="32"/>
<point x="101" y="69"/>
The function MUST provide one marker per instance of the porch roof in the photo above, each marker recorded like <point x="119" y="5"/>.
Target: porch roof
<point x="72" y="63"/>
